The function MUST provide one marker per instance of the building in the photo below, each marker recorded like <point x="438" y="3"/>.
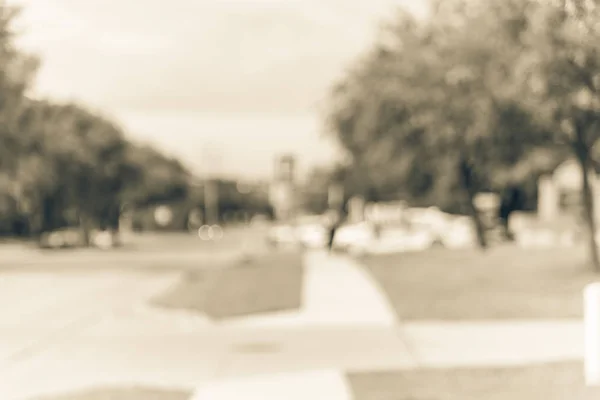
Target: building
<point x="559" y="193"/>
<point x="283" y="188"/>
<point x="559" y="211"/>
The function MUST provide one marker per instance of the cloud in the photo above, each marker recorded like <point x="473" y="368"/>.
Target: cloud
<point x="214" y="55"/>
<point x="245" y="143"/>
<point x="162" y="67"/>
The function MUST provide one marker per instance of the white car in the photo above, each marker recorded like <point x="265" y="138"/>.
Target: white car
<point x="281" y="235"/>
<point x="459" y="233"/>
<point x="364" y="238"/>
<point x="355" y="237"/>
<point x="399" y="239"/>
<point x="313" y="235"/>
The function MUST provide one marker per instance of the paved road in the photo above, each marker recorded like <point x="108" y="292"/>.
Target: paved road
<point x="60" y="332"/>
<point x="128" y="348"/>
<point x="39" y="311"/>
<point x="146" y="250"/>
<point x="184" y="360"/>
<point x="88" y="328"/>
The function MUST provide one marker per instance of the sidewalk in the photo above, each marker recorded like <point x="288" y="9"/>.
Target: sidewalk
<point x="336" y="292"/>
<point x="345" y="326"/>
<point x="493" y="343"/>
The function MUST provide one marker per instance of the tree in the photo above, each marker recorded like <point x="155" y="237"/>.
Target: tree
<point x="77" y="167"/>
<point x="316" y="190"/>
<point x="422" y="114"/>
<point x="154" y="178"/>
<point x="64" y="164"/>
<point x="16" y="72"/>
<point x="557" y="76"/>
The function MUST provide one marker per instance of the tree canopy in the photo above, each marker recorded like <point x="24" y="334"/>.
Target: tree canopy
<point x="480" y="96"/>
<point x="65" y="164"/>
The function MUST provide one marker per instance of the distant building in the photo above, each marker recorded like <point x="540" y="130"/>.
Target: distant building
<point x="285" y="168"/>
<point x="283" y="190"/>
<point x="559" y="193"/>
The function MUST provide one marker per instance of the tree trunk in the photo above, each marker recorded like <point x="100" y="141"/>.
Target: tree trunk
<point x="511" y="202"/>
<point x="48" y="211"/>
<point x="588" y="208"/>
<point x="115" y="226"/>
<point x="467" y="180"/>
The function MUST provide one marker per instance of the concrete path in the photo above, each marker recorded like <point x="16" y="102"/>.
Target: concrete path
<point x="319" y="384"/>
<point x="336" y="292"/>
<point x="427" y="345"/>
<point x="493" y="343"/>
<point x="64" y="332"/>
<point x="42" y="310"/>
<point x="186" y="360"/>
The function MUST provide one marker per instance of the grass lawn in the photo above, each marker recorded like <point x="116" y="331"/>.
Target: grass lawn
<point x="270" y="282"/>
<point x="121" y="394"/>
<point x="506" y="282"/>
<point x="561" y="381"/>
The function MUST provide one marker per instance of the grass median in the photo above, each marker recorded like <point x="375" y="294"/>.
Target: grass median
<point x="557" y="381"/>
<point x="504" y="283"/>
<point x="266" y="283"/>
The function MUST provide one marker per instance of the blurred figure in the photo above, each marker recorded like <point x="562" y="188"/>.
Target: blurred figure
<point x="334" y="220"/>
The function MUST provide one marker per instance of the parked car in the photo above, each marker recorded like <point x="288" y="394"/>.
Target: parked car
<point x="403" y="239"/>
<point x="280" y="235"/>
<point x="354" y="237"/>
<point x="369" y="238"/>
<point x="306" y="232"/>
<point x="312" y="236"/>
<point x="459" y="233"/>
<point x="70" y="238"/>
<point x="62" y="238"/>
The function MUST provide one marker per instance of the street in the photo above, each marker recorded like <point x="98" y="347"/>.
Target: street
<point x="68" y="330"/>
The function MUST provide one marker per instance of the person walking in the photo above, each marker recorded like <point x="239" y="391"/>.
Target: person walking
<point x="334" y="222"/>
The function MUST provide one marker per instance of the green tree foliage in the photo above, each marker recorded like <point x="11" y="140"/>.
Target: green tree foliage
<point x="63" y="164"/>
<point x="480" y="96"/>
<point x="558" y="78"/>
<point x="234" y="198"/>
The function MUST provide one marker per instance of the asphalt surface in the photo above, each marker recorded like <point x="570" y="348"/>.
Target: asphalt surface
<point x="89" y="327"/>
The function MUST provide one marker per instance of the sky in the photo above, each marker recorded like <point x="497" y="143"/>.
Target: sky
<point x="225" y="85"/>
